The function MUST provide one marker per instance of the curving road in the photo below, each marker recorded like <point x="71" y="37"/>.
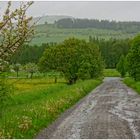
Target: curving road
<point x="110" y="111"/>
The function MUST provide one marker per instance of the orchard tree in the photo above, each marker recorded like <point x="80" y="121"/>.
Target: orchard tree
<point x="133" y="59"/>
<point x="15" y="30"/>
<point x="121" y="66"/>
<point x="31" y="68"/>
<point x="16" y="67"/>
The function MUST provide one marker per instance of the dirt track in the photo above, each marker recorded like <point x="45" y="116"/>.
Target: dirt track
<point x="112" y="110"/>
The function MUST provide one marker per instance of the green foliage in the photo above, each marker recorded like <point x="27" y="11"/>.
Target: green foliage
<point x="73" y="58"/>
<point x="112" y="49"/>
<point x="132" y="83"/>
<point x="133" y="59"/>
<point x="29" y="53"/>
<point x="121" y="66"/>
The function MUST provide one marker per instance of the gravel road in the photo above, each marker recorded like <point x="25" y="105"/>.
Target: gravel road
<point x="110" y="111"/>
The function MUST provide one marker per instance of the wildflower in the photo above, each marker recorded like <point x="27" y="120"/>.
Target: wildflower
<point x="25" y="123"/>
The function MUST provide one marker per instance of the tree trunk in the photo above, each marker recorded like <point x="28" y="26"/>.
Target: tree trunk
<point x="55" y="79"/>
<point x="31" y="75"/>
<point x="17" y="73"/>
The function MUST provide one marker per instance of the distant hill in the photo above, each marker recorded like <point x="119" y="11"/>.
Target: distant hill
<point x="126" y="26"/>
<point x="50" y="19"/>
<point x="47" y="33"/>
<point x="67" y="26"/>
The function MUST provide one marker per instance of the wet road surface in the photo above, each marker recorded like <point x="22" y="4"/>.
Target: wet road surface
<point x="110" y="111"/>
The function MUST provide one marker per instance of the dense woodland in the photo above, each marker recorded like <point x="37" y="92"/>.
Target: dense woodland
<point x="111" y="50"/>
<point x="130" y="27"/>
<point x="29" y="53"/>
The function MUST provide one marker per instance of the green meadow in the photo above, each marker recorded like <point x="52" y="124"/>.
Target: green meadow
<point x="35" y="103"/>
<point x="50" y="33"/>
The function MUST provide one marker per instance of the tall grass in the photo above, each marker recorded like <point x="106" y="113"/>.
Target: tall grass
<point x="33" y="109"/>
<point x="133" y="84"/>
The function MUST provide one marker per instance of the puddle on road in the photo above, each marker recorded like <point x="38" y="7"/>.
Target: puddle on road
<point x="126" y="109"/>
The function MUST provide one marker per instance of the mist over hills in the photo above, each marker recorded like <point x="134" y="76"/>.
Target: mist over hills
<point x="56" y="28"/>
<point x="50" y="19"/>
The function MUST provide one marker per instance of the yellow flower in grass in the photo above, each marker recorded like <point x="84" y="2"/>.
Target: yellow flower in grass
<point x="1" y="134"/>
<point x="25" y="123"/>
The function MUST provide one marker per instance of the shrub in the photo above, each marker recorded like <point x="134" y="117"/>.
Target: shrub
<point x="121" y="66"/>
<point x="133" y="59"/>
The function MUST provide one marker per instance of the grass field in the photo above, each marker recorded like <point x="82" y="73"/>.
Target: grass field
<point x="49" y="33"/>
<point x="133" y="84"/>
<point x="35" y="103"/>
<point x="111" y="73"/>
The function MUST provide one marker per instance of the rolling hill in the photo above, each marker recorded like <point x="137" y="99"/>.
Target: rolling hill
<point x="50" y="32"/>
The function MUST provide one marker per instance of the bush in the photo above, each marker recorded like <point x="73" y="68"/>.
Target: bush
<point x="121" y="66"/>
<point x="133" y="59"/>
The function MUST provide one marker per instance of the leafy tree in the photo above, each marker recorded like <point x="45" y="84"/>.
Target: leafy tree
<point x="121" y="66"/>
<point x="72" y="58"/>
<point x="31" y="68"/>
<point x="133" y="59"/>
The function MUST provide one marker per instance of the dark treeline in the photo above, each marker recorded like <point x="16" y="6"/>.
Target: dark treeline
<point x="112" y="49"/>
<point x="131" y="27"/>
<point x="29" y="53"/>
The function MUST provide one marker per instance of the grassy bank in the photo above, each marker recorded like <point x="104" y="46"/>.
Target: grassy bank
<point x="133" y="84"/>
<point x="37" y="102"/>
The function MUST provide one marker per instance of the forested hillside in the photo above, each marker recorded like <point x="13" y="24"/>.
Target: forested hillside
<point x="130" y="27"/>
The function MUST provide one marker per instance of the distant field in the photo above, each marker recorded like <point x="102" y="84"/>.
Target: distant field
<point x="111" y="73"/>
<point x="35" y="103"/>
<point x="49" y="33"/>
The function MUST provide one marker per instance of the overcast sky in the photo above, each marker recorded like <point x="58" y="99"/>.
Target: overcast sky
<point x="120" y="10"/>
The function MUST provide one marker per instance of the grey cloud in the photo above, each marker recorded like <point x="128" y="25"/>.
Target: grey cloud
<point x="112" y="10"/>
